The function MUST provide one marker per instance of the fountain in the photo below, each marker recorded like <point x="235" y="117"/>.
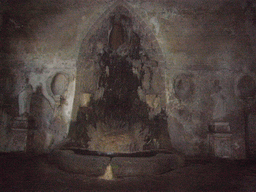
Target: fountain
<point x="118" y="127"/>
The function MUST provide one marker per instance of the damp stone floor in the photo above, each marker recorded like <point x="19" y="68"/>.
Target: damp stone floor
<point x="23" y="172"/>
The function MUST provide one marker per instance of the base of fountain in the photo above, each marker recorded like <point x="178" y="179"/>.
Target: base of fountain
<point x="93" y="163"/>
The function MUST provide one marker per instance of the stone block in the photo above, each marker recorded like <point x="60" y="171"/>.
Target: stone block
<point x="220" y="127"/>
<point x="20" y="123"/>
<point x="220" y="145"/>
<point x="18" y="140"/>
<point x="19" y="133"/>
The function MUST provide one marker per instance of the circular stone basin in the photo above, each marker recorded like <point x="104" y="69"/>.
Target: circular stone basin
<point x="92" y="163"/>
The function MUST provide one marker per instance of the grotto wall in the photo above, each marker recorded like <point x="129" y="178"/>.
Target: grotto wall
<point x="206" y="67"/>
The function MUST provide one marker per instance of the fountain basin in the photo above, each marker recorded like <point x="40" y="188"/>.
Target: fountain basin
<point x="69" y="161"/>
<point x="93" y="163"/>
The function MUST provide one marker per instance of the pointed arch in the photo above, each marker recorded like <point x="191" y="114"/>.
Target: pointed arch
<point x="142" y="28"/>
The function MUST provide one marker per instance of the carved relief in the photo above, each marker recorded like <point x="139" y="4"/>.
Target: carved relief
<point x="245" y="87"/>
<point x="56" y="87"/>
<point x="59" y="84"/>
<point x="184" y="87"/>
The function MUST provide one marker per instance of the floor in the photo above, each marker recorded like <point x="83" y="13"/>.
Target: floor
<point x="21" y="172"/>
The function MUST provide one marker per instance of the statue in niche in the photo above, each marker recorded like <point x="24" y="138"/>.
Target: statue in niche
<point x="25" y="99"/>
<point x="220" y="106"/>
<point x="122" y="39"/>
<point x="117" y="35"/>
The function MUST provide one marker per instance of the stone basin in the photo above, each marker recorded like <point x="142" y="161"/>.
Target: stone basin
<point x="92" y="163"/>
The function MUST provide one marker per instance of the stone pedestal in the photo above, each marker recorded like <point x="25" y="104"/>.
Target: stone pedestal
<point x="19" y="132"/>
<point x="219" y="140"/>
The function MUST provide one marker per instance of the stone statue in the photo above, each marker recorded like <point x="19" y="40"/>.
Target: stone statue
<point x="220" y="106"/>
<point x="25" y="99"/>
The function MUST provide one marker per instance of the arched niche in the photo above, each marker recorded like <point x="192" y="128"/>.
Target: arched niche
<point x="100" y="38"/>
<point x="120" y="67"/>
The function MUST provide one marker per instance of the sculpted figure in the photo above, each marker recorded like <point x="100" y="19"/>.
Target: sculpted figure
<point x="25" y="99"/>
<point x="220" y="106"/>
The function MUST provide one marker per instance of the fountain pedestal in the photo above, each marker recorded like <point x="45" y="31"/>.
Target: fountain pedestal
<point x="19" y="133"/>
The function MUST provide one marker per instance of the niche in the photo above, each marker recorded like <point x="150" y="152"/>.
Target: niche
<point x="119" y="67"/>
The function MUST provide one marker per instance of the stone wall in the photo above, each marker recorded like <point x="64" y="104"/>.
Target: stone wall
<point x="206" y="48"/>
